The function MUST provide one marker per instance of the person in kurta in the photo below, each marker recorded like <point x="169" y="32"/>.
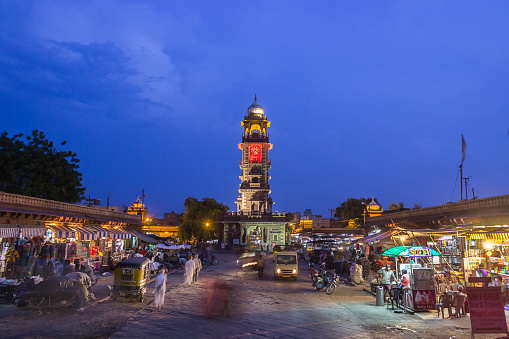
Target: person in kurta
<point x="197" y="267"/>
<point x="189" y="271"/>
<point x="160" y="288"/>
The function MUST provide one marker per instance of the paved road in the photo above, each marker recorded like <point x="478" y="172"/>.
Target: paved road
<point x="260" y="308"/>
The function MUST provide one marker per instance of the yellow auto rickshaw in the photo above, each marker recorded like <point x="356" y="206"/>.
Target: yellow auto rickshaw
<point x="131" y="277"/>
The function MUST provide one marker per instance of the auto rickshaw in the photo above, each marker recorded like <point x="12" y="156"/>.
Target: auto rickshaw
<point x="131" y="277"/>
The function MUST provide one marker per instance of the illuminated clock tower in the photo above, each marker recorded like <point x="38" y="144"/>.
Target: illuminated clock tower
<point x="255" y="164"/>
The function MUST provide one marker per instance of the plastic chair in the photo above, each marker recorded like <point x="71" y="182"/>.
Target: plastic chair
<point x="458" y="303"/>
<point x="444" y="301"/>
<point x="442" y="288"/>
<point x="453" y="287"/>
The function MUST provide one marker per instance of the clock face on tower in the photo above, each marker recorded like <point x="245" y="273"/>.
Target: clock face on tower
<point x="255" y="153"/>
<point x="255" y="150"/>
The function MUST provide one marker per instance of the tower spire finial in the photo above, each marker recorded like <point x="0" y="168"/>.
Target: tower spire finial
<point x="255" y="97"/>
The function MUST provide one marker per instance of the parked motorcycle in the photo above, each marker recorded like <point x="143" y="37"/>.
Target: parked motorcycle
<point x="334" y="281"/>
<point x="323" y="281"/>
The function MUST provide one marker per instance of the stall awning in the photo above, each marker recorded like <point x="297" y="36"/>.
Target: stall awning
<point x="493" y="235"/>
<point x="13" y="231"/>
<point x="32" y="231"/>
<point x="9" y="231"/>
<point x="375" y="237"/>
<point x="86" y="234"/>
<point x="63" y="232"/>
<point x="143" y="237"/>
<point x="410" y="251"/>
<point x="117" y="233"/>
<point x="101" y="232"/>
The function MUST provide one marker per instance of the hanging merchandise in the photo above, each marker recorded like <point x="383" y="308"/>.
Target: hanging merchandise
<point x="53" y="251"/>
<point x="81" y="249"/>
<point x="25" y="254"/>
<point x="46" y="254"/>
<point x="73" y="250"/>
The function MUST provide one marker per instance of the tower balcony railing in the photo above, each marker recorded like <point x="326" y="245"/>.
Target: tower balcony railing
<point x="256" y="215"/>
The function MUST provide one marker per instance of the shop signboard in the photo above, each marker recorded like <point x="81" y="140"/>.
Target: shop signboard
<point x="419" y="252"/>
<point x="486" y="307"/>
<point x="236" y="241"/>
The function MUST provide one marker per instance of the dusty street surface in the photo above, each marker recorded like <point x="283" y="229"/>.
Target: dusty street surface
<point x="259" y="308"/>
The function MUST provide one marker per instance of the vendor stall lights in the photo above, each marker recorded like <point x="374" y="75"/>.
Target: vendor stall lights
<point x="488" y="246"/>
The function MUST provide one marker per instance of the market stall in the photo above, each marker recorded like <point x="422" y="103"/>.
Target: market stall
<point x="420" y="295"/>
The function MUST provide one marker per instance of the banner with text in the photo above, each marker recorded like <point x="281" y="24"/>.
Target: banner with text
<point x="486" y="306"/>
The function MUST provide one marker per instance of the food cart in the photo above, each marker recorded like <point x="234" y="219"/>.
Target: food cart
<point x="420" y="295"/>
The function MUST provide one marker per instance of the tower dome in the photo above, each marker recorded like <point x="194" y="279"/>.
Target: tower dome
<point x="255" y="110"/>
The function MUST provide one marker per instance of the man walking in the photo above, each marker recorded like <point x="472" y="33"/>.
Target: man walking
<point x="189" y="271"/>
<point x="160" y="288"/>
<point x="197" y="267"/>
<point x="260" y="263"/>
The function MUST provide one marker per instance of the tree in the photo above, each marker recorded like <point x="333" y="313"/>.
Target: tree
<point x="417" y="206"/>
<point x="38" y="169"/>
<point x="394" y="206"/>
<point x="352" y="208"/>
<point x="200" y="217"/>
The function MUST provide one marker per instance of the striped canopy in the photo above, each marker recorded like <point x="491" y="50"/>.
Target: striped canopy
<point x="101" y="232"/>
<point x="9" y="231"/>
<point x="33" y="231"/>
<point x="86" y="234"/>
<point x="117" y="233"/>
<point x="63" y="232"/>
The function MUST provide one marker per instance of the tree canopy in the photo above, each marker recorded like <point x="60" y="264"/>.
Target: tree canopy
<point x="352" y="208"/>
<point x="198" y="214"/>
<point x="38" y="169"/>
<point x="394" y="206"/>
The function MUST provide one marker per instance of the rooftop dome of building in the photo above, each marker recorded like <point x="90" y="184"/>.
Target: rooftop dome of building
<point x="255" y="109"/>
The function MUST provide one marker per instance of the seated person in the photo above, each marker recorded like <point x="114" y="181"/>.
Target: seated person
<point x="405" y="278"/>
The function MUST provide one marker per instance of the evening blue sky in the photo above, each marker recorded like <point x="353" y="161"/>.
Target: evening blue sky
<point x="366" y="98"/>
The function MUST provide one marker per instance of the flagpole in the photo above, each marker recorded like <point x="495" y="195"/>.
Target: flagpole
<point x="461" y="180"/>
<point x="463" y="154"/>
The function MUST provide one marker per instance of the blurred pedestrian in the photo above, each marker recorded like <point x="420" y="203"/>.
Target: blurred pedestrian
<point x="189" y="272"/>
<point x="260" y="264"/>
<point x="197" y="267"/>
<point x="160" y="288"/>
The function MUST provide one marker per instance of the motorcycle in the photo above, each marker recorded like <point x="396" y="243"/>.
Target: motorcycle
<point x="323" y="281"/>
<point x="332" y="284"/>
<point x="302" y="257"/>
<point x="313" y="273"/>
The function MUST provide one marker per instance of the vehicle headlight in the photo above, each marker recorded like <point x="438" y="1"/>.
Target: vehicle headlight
<point x="278" y="270"/>
<point x="294" y="270"/>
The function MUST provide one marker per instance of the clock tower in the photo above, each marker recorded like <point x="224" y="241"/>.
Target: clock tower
<point x="255" y="164"/>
